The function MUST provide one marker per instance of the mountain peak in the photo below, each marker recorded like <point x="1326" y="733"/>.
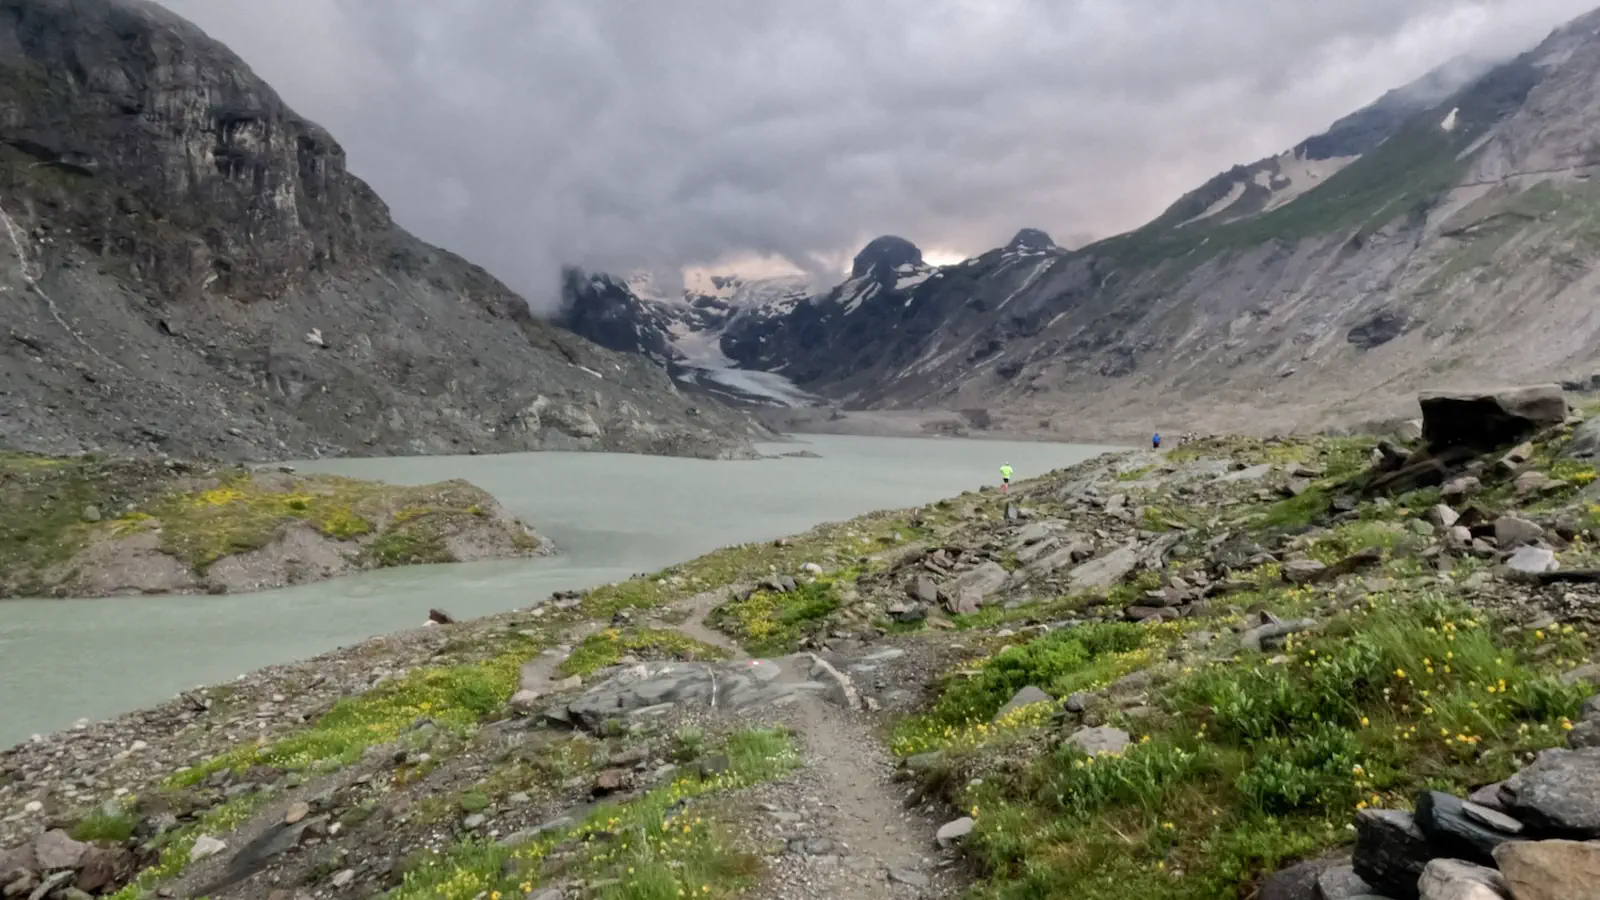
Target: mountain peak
<point x="1031" y="239"/>
<point x="885" y="253"/>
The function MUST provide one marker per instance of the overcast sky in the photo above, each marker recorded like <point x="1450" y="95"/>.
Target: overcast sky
<point x="658" y="134"/>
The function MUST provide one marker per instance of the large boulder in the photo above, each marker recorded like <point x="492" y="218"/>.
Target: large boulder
<point x="1559" y="794"/>
<point x="1486" y="420"/>
<point x="1105" y="571"/>
<point x="1550" y="870"/>
<point x="1391" y="852"/>
<point x="978" y="584"/>
<point x="728" y="686"/>
<point x="1462" y="829"/>
<point x="1585" y="443"/>
<point x="56" y="850"/>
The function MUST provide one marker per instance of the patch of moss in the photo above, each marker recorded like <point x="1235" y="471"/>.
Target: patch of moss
<point x="658" y="847"/>
<point x="770" y="622"/>
<point x="606" y="648"/>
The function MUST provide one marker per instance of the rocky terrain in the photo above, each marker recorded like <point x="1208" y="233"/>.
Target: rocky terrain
<point x="1306" y="668"/>
<point x="82" y="527"/>
<point x="190" y="269"/>
<point x="1440" y="237"/>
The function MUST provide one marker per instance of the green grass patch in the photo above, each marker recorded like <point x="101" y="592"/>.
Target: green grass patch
<point x="453" y="698"/>
<point x="114" y="825"/>
<point x="769" y="622"/>
<point x="1252" y="766"/>
<point x="662" y="846"/>
<point x="1058" y="663"/>
<point x="844" y="541"/>
<point x="174" y="846"/>
<point x="606" y="648"/>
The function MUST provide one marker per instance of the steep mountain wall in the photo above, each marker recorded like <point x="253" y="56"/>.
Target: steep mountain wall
<point x="186" y="266"/>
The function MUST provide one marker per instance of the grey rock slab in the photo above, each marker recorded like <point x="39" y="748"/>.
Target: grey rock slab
<point x="723" y="685"/>
<point x="1451" y="831"/>
<point x="1304" y="571"/>
<point x="1584" y="735"/>
<point x="1034" y="533"/>
<point x="1512" y="531"/>
<point x="1106" y="570"/>
<point x="205" y="847"/>
<point x="1585" y="443"/>
<point x="1034" y="552"/>
<point x="952" y="832"/>
<point x="1559" y="794"/>
<point x="1100" y="740"/>
<point x="1531" y="560"/>
<point x="1251" y="473"/>
<point x="57" y="850"/>
<point x="909" y="877"/>
<point x="984" y="581"/>
<point x="1269" y="636"/>
<point x="1452" y="879"/>
<point x="1391" y="852"/>
<point x="1025" y="697"/>
<point x="1298" y="882"/>
<point x="1340" y="882"/>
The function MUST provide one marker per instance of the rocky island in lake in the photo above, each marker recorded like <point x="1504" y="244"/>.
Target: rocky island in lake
<point x="86" y="527"/>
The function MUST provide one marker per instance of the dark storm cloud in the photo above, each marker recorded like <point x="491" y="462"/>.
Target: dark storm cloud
<point x="623" y="135"/>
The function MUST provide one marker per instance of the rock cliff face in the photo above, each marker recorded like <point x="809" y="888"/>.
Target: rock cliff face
<point x="186" y="266"/>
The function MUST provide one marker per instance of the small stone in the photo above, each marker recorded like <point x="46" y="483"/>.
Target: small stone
<point x="33" y="806"/>
<point x="1461" y="488"/>
<point x="474" y="821"/>
<point x="91" y="513"/>
<point x="343" y="879"/>
<point x="1025" y="697"/>
<point x="952" y="832"/>
<point x="1443" y="516"/>
<point x="206" y="847"/>
<point x="1303" y="571"/>
<point x="297" y="810"/>
<point x="909" y="877"/>
<point x="1511" y="532"/>
<point x="1100" y="740"/>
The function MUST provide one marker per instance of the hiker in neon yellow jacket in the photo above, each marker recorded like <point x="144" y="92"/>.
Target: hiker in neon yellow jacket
<point x="1005" y="478"/>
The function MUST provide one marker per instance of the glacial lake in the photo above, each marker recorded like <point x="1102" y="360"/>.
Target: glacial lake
<point x="612" y="515"/>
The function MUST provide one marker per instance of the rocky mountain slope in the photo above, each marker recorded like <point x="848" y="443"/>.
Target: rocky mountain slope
<point x="188" y="267"/>
<point x="1441" y="237"/>
<point x="1296" y="668"/>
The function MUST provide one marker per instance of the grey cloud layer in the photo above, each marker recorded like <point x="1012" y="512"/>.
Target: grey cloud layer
<point x="623" y="135"/>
